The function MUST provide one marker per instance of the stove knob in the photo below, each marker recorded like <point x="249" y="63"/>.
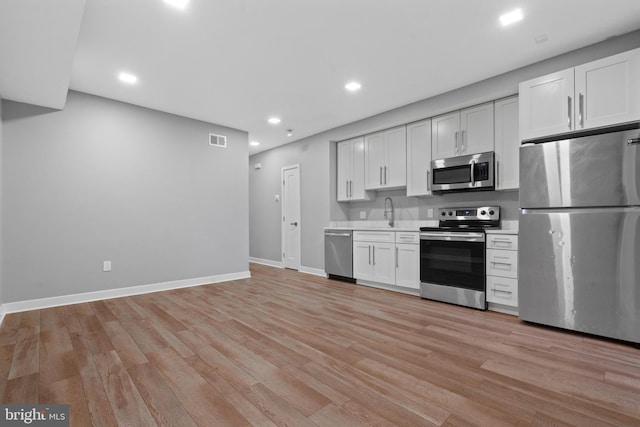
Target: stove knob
<point x="450" y="213"/>
<point x="483" y="212"/>
<point x="491" y="212"/>
<point x="444" y="213"/>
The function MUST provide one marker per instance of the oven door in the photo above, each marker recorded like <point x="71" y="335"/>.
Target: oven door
<point x="453" y="258"/>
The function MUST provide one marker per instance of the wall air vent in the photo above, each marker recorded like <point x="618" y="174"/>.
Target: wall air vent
<point x="217" y="140"/>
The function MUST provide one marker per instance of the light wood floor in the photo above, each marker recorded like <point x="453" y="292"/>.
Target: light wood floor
<point x="285" y="348"/>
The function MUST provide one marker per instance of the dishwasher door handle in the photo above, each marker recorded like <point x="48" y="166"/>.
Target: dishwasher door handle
<point x="338" y="234"/>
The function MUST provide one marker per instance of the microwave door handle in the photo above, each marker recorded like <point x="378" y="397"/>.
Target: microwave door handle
<point x="473" y="173"/>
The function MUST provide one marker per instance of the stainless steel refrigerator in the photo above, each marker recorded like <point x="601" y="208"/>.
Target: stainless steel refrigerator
<point x="579" y="254"/>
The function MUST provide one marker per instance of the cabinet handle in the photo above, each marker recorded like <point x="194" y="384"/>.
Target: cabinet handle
<point x="581" y="109"/>
<point x="350" y="188"/>
<point x="380" y="175"/>
<point x="456" y="145"/>
<point x="569" y="111"/>
<point x="498" y="291"/>
<point x="497" y="183"/>
<point x="374" y="255"/>
<point x="369" y="254"/>
<point x="462" y="147"/>
<point x="428" y="183"/>
<point x="397" y="257"/>
<point x="346" y="183"/>
<point x="385" y="175"/>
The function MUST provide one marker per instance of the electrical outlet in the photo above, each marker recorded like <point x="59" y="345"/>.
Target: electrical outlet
<point x="363" y="215"/>
<point x="277" y="198"/>
<point x="430" y="213"/>
<point x="106" y="266"/>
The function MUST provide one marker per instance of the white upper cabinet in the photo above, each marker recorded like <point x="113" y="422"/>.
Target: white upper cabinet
<point x="476" y="131"/>
<point x="507" y="144"/>
<point x="418" y="158"/>
<point x="608" y="91"/>
<point x="600" y="93"/>
<point x="385" y="159"/>
<point x="463" y="132"/>
<point x="546" y="105"/>
<point x="350" y="180"/>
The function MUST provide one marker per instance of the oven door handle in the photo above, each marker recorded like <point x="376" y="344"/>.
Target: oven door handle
<point x="454" y="237"/>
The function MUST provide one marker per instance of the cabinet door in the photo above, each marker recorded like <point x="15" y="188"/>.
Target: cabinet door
<point x="374" y="161"/>
<point x="408" y="266"/>
<point x="445" y="132"/>
<point x="608" y="91"/>
<point x="476" y="129"/>
<point x="362" y="262"/>
<point x="502" y="263"/>
<point x="546" y="105"/>
<point x="357" y="170"/>
<point x="384" y="263"/>
<point x="507" y="144"/>
<point x="344" y="170"/>
<point x="419" y="158"/>
<point x="502" y="290"/>
<point x="395" y="167"/>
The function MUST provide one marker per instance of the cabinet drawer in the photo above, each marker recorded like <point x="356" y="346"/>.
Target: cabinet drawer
<point x="502" y="263"/>
<point x="407" y="237"/>
<point x="502" y="241"/>
<point x="502" y="290"/>
<point x="374" y="236"/>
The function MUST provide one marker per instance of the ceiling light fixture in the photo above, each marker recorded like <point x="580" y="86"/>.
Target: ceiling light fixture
<point x="511" y="17"/>
<point x="178" y="4"/>
<point x="127" y="78"/>
<point x="254" y="143"/>
<point x="274" y="120"/>
<point x="289" y="132"/>
<point x="352" y="86"/>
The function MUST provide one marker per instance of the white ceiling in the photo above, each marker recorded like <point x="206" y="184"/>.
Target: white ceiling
<point x="238" y="62"/>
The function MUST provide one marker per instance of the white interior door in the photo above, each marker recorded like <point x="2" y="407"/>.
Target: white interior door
<point x="291" y="216"/>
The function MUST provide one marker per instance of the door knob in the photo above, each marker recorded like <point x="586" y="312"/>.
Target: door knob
<point x="295" y="224"/>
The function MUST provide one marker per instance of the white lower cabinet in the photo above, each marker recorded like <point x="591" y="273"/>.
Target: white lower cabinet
<point x="374" y="256"/>
<point x="502" y="269"/>
<point x="387" y="257"/>
<point x="408" y="259"/>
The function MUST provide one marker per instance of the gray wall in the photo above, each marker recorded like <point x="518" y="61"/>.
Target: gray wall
<point x="266" y="216"/>
<point x="1" y="150"/>
<point x="104" y="180"/>
<point x="265" y="238"/>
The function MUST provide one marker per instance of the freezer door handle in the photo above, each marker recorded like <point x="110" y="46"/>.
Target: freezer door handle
<point x="632" y="141"/>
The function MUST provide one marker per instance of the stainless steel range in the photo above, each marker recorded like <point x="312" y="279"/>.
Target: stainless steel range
<point x="452" y="256"/>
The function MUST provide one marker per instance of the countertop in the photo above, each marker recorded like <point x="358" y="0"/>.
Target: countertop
<point x="507" y="227"/>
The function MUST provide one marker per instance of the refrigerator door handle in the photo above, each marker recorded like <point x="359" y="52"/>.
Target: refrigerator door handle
<point x="632" y="141"/>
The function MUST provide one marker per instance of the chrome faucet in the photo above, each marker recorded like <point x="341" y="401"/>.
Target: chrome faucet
<point x="388" y="211"/>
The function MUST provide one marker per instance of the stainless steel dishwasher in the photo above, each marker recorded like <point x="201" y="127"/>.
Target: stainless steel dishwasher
<point x="338" y="253"/>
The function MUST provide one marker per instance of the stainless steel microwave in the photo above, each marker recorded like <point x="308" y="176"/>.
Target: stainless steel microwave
<point x="463" y="173"/>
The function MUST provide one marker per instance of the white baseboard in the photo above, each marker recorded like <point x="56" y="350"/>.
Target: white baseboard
<point x="3" y="311"/>
<point x="268" y="262"/>
<point x="37" y="304"/>
<point x="314" y="271"/>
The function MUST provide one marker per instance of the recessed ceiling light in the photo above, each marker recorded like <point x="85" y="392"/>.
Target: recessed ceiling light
<point x="127" y="78"/>
<point x="352" y="86"/>
<point x="254" y="143"/>
<point x="274" y="120"/>
<point x="511" y="17"/>
<point x="179" y="4"/>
